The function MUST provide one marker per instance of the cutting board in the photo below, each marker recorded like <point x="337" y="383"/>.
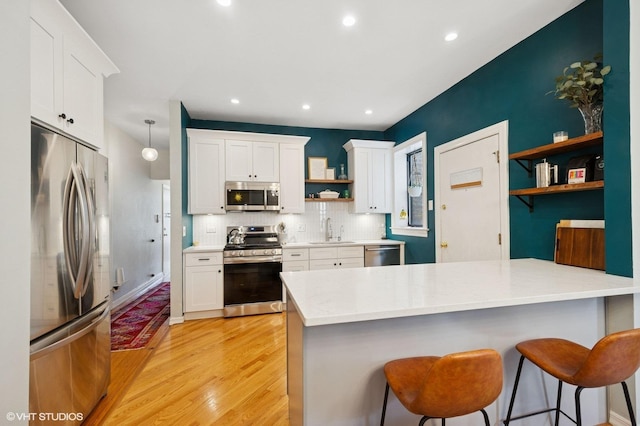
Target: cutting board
<point x="580" y="247"/>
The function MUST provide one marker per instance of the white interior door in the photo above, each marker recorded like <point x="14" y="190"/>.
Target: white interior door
<point x="166" y="226"/>
<point x="471" y="204"/>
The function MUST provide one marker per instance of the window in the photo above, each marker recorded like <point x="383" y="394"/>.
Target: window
<point x="415" y="216"/>
<point x="409" y="215"/>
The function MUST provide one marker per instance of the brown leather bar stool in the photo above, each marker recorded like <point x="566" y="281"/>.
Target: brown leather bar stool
<point x="612" y="360"/>
<point x="443" y="387"/>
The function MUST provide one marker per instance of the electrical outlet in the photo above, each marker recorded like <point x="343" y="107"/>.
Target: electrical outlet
<point x="430" y="205"/>
<point x="184" y="231"/>
<point x="211" y="229"/>
<point x="302" y="227"/>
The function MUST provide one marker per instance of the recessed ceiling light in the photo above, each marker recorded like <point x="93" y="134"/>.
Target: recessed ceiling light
<point x="349" y="21"/>
<point x="368" y="112"/>
<point x="224" y="3"/>
<point x="235" y="101"/>
<point x="306" y="106"/>
<point x="451" y="36"/>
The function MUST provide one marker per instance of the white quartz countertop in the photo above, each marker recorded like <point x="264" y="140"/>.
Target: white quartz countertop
<point x="209" y="248"/>
<point x="200" y="249"/>
<point x="361" y="294"/>
<point x="347" y="243"/>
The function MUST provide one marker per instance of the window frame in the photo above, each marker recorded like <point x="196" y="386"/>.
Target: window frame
<point x="400" y="184"/>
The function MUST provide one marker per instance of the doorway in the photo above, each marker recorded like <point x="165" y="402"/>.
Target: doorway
<point x="166" y="235"/>
<point x="471" y="185"/>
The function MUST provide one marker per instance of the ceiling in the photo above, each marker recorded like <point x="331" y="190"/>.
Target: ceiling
<point x="274" y="56"/>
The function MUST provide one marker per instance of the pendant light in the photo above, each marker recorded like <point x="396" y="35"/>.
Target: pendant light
<point x="148" y="153"/>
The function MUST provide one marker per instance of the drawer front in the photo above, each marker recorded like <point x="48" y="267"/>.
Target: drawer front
<point x="295" y="254"/>
<point x="203" y="259"/>
<point x="323" y="253"/>
<point x="295" y="265"/>
<point x="355" y="251"/>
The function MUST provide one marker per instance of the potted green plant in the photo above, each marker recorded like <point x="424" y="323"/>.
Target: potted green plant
<point x="581" y="83"/>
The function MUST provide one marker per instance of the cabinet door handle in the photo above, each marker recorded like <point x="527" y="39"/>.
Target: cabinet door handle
<point x="70" y="121"/>
<point x="219" y="271"/>
<point x="204" y="259"/>
<point x="296" y="255"/>
<point x="63" y="116"/>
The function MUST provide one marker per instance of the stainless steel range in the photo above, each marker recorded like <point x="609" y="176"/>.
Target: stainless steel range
<point x="252" y="266"/>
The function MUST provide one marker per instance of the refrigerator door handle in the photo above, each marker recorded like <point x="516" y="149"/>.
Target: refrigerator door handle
<point x="77" y="230"/>
<point x="68" y="229"/>
<point x="90" y="242"/>
<point x="48" y="345"/>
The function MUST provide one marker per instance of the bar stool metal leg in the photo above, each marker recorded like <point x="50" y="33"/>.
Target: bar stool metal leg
<point x="558" y="401"/>
<point x="629" y="406"/>
<point x="384" y="404"/>
<point x="513" y="393"/>
<point x="578" y="410"/>
<point x="486" y="418"/>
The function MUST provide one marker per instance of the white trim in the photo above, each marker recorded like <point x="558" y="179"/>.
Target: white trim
<point x="137" y="292"/>
<point x="616" y="419"/>
<point x="409" y="231"/>
<point x="419" y="141"/>
<point x="502" y="131"/>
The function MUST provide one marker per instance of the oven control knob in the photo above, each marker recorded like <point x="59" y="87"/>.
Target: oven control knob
<point x="254" y="252"/>
<point x="236" y="253"/>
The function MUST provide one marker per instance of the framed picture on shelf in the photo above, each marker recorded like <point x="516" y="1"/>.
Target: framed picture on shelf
<point x="330" y="173"/>
<point x="316" y="168"/>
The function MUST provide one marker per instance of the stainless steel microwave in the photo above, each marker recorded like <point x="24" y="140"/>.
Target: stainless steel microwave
<point x="252" y="196"/>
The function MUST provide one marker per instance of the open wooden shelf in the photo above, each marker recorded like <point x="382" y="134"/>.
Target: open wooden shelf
<point x="569" y="187"/>
<point x="331" y="200"/>
<point x="554" y="189"/>
<point x="328" y="180"/>
<point x="569" y="145"/>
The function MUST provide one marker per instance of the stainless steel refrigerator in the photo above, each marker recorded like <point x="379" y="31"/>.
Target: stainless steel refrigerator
<point x="70" y="285"/>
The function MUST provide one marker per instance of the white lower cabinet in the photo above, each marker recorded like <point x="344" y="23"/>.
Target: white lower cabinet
<point x="336" y="257"/>
<point x="203" y="289"/>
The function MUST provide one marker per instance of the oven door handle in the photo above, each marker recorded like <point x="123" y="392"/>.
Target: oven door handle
<point x="254" y="259"/>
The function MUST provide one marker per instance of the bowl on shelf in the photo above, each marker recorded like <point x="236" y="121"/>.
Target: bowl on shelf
<point x="328" y="194"/>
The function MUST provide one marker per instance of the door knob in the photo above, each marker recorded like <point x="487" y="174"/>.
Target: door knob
<point x="444" y="207"/>
<point x="444" y="244"/>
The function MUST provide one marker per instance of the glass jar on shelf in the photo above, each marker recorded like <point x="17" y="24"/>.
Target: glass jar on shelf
<point x="342" y="175"/>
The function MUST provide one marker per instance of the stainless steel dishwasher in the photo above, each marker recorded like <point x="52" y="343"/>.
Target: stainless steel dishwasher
<point x="381" y="254"/>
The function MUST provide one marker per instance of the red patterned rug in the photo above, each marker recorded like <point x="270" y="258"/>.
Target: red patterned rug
<point x="133" y="325"/>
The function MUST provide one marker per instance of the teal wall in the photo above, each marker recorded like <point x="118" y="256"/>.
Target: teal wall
<point x="187" y="219"/>
<point x="617" y="194"/>
<point x="512" y="87"/>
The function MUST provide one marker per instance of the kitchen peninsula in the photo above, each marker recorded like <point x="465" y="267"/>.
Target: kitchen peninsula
<point x="343" y="325"/>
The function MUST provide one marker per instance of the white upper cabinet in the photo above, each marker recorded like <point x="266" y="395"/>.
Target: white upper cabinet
<point x="216" y="156"/>
<point x="370" y="168"/>
<point x="206" y="173"/>
<point x="252" y="161"/>
<point x="67" y="71"/>
<point x="292" y="178"/>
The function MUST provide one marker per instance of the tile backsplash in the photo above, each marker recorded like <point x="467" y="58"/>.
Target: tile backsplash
<point x="310" y="226"/>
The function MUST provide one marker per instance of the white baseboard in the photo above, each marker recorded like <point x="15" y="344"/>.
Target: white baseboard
<point x="617" y="420"/>
<point x="137" y="292"/>
<point x="215" y="313"/>
<point x="176" y="320"/>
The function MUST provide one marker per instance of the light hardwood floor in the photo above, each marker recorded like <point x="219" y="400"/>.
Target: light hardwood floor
<point x="213" y="371"/>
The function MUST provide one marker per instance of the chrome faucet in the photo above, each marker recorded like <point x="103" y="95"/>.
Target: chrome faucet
<point x="328" y="231"/>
